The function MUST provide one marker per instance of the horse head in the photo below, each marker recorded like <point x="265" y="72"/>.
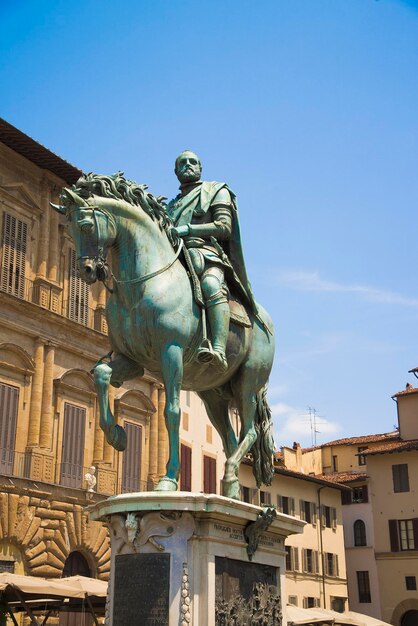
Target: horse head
<point x="92" y="229"/>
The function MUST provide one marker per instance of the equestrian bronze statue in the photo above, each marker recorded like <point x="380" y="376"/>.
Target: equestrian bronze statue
<point x="180" y="306"/>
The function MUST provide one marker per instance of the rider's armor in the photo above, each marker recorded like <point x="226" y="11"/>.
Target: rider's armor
<point x="213" y="223"/>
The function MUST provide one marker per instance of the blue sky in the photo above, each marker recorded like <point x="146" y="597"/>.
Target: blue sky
<point x="308" y="109"/>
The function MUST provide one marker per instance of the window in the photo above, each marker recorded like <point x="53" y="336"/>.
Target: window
<point x="7" y="566"/>
<point x="328" y="517"/>
<point x="360" y="494"/>
<point x="400" y="478"/>
<point x="335" y="463"/>
<point x="185" y="468"/>
<point x="73" y="446"/>
<point x="331" y="564"/>
<point x="338" y="604"/>
<point x="310" y="561"/>
<point x="13" y="259"/>
<point x="265" y="498"/>
<point x="406" y="534"/>
<point x="308" y="512"/>
<point x="286" y="505"/>
<point x="188" y="398"/>
<point x="185" y="419"/>
<point x="209" y="474"/>
<point x="9" y="397"/>
<point x="411" y="583"/>
<point x="78" y="294"/>
<point x="363" y="586"/>
<point x="131" y="465"/>
<point x="293" y="600"/>
<point x="361" y="457"/>
<point x="292" y="559"/>
<point x="403" y="534"/>
<point x="360" y="533"/>
<point x="310" y="602"/>
<point x="245" y="494"/>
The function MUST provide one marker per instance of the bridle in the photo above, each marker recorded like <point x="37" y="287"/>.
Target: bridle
<point x="103" y="269"/>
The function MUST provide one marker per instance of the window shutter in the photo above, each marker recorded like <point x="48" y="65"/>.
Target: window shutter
<point x="78" y="294"/>
<point x="9" y="397"/>
<point x="302" y="509"/>
<point x="73" y="445"/>
<point x="334" y="518"/>
<point x="280" y="503"/>
<point x="304" y="560"/>
<point x="292" y="506"/>
<point x="346" y="497"/>
<point x="315" y="561"/>
<point x="13" y="264"/>
<point x="295" y="559"/>
<point x="305" y="603"/>
<point x="255" y="498"/>
<point x="185" y="468"/>
<point x="131" y="468"/>
<point x="316" y="602"/>
<point x="313" y="513"/>
<point x="336" y="571"/>
<point x="393" y="534"/>
<point x="415" y="527"/>
<point x="322" y="516"/>
<point x="209" y="474"/>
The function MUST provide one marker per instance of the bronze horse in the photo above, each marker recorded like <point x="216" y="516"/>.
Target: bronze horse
<point x="155" y="323"/>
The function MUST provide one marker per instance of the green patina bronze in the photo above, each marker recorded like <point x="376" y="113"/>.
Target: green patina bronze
<point x="173" y="271"/>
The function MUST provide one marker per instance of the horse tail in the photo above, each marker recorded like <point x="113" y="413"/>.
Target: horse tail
<point x="263" y="448"/>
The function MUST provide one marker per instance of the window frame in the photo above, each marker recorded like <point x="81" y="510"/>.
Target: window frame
<point x="400" y="478"/>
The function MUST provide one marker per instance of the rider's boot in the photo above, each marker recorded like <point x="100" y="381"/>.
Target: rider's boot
<point x="219" y="316"/>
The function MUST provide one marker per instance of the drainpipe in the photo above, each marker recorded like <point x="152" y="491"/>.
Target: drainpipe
<point x="321" y="545"/>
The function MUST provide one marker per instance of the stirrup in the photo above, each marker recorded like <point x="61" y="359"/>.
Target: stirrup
<point x="219" y="361"/>
<point x="205" y="353"/>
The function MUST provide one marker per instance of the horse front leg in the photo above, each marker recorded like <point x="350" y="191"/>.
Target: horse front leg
<point x="172" y="371"/>
<point x="115" y="372"/>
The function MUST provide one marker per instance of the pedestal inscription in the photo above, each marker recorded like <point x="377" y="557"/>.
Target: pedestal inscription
<point x="246" y="594"/>
<point x="142" y="589"/>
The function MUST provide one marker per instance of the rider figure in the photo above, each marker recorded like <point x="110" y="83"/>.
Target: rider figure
<point x="205" y="215"/>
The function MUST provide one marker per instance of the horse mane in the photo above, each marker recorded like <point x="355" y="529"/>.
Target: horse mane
<point x="120" y="188"/>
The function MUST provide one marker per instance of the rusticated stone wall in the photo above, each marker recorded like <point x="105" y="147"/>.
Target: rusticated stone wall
<point x="47" y="529"/>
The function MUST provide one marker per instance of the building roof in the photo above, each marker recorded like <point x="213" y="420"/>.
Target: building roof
<point x="343" y="477"/>
<point x="409" y="389"/>
<point x="37" y="153"/>
<point x="321" y="480"/>
<point x="362" y="440"/>
<point x="393" y="446"/>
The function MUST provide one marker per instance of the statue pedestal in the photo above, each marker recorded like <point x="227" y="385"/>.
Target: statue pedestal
<point x="180" y="559"/>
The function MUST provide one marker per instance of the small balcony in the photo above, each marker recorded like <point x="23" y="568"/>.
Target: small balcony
<point x="43" y="468"/>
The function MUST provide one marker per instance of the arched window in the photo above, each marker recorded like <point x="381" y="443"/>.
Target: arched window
<point x="360" y="533"/>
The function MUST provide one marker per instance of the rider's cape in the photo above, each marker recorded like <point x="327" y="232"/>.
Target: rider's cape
<point x="197" y="203"/>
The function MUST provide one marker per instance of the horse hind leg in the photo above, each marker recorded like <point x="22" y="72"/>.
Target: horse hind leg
<point x="247" y="406"/>
<point x="115" y="372"/>
<point x="217" y="409"/>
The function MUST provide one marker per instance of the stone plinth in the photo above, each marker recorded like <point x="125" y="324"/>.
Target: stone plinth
<point x="181" y="559"/>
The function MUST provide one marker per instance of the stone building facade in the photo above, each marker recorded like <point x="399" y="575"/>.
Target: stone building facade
<point x="52" y="332"/>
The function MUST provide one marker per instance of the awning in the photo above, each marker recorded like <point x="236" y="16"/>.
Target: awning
<point x="298" y="616"/>
<point x="33" y="593"/>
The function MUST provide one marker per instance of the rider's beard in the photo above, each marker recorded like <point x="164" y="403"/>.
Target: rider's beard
<point x="189" y="176"/>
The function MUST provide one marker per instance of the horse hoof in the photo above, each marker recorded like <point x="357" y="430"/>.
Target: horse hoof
<point x="166" y="484"/>
<point x="231" y="489"/>
<point x="117" y="438"/>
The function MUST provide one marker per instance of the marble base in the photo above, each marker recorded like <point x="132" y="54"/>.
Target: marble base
<point x="188" y="555"/>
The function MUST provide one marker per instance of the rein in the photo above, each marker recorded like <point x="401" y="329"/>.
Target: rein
<point x="102" y="265"/>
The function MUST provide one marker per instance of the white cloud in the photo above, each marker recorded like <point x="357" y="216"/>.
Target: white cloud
<point x="312" y="281"/>
<point x="293" y="424"/>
